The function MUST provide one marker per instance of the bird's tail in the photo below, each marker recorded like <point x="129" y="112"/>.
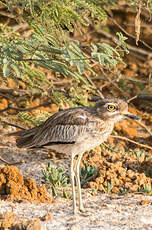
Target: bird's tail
<point x="17" y="133"/>
<point x="24" y="137"/>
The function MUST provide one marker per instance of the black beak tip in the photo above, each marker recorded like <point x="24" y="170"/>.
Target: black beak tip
<point x="132" y="116"/>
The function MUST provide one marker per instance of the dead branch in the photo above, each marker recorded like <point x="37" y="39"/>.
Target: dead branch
<point x="128" y="34"/>
<point x="138" y="24"/>
<point x="13" y="125"/>
<point x="25" y="109"/>
<point x="91" y="82"/>
<point x="144" y="126"/>
<point x="134" y="142"/>
<point x="141" y="97"/>
<point x="144" y="97"/>
<point x="114" y="84"/>
<point x="11" y="163"/>
<point x="131" y="48"/>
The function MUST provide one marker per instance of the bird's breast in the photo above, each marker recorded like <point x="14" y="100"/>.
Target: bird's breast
<point x="101" y="129"/>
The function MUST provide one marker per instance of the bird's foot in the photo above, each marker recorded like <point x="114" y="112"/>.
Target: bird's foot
<point x="86" y="212"/>
<point x="82" y="209"/>
<point x="75" y="210"/>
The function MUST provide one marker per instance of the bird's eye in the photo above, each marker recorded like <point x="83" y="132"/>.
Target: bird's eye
<point x="111" y="108"/>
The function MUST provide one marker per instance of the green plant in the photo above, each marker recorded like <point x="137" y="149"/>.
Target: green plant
<point x="145" y="188"/>
<point x="57" y="177"/>
<point x="94" y="191"/>
<point x="87" y="173"/>
<point x="49" y="46"/>
<point x="31" y="120"/>
<point x="138" y="153"/>
<point x="123" y="191"/>
<point x="108" y="188"/>
<point x="150" y="172"/>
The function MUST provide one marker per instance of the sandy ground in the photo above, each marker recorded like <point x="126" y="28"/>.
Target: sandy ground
<point x="104" y="211"/>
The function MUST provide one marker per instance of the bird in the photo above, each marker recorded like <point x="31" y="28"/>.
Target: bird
<point x="74" y="131"/>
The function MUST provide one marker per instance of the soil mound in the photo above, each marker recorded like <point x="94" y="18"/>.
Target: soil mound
<point x="15" y="187"/>
<point x="120" y="172"/>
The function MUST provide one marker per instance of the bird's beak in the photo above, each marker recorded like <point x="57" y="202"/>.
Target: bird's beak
<point x="132" y="116"/>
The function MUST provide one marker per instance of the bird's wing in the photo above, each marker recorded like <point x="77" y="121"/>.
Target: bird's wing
<point x="66" y="126"/>
<point x="62" y="127"/>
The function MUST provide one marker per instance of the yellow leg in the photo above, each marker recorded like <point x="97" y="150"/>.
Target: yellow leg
<point x="77" y="175"/>
<point x="72" y="183"/>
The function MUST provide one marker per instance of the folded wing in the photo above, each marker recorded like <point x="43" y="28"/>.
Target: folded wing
<point x="66" y="126"/>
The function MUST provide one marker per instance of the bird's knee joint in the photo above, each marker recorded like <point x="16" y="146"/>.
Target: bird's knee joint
<point x="72" y="173"/>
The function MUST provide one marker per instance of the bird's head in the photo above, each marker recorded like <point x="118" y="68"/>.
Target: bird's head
<point x="113" y="110"/>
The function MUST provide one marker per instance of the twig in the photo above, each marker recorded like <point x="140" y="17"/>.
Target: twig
<point x="113" y="83"/>
<point x="134" y="79"/>
<point x="4" y="161"/>
<point x="131" y="48"/>
<point x="144" y="126"/>
<point x="145" y="12"/>
<point x="14" y="125"/>
<point x="133" y="25"/>
<point x="139" y="51"/>
<point x="49" y="59"/>
<point x="145" y="97"/>
<point x="138" y="122"/>
<point x="129" y="100"/>
<point x="25" y="109"/>
<point x="91" y="82"/>
<point x="9" y="15"/>
<point x="109" y="80"/>
<point x="11" y="163"/>
<point x="31" y="108"/>
<point x="134" y="142"/>
<point x="128" y="34"/>
<point x="138" y="23"/>
<point x="12" y="90"/>
<point x="141" y="97"/>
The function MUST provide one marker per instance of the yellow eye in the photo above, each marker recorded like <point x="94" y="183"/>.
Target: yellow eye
<point x="111" y="107"/>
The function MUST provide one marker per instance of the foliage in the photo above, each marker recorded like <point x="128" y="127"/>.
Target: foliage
<point x="146" y="4"/>
<point x="31" y="120"/>
<point x="87" y="173"/>
<point x="49" y="46"/>
<point x="108" y="188"/>
<point x="60" y="58"/>
<point x="107" y="55"/>
<point x="59" y="14"/>
<point x="145" y="189"/>
<point x="57" y="177"/>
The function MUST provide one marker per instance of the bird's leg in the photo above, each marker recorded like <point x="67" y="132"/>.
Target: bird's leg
<point x="72" y="183"/>
<point x="77" y="176"/>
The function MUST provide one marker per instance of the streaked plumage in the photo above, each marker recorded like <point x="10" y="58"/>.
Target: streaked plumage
<point x="74" y="131"/>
